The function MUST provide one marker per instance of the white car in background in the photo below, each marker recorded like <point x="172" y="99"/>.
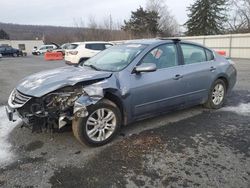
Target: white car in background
<point x="79" y="52"/>
<point x="43" y="49"/>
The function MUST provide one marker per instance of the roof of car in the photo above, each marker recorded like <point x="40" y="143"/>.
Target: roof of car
<point x="152" y="41"/>
<point x="160" y="41"/>
<point x="89" y="42"/>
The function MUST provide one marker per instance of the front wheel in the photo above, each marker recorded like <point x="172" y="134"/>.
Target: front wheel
<point x="100" y="126"/>
<point x="217" y="95"/>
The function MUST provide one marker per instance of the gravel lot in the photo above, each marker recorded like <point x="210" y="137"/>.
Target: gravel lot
<point x="190" y="148"/>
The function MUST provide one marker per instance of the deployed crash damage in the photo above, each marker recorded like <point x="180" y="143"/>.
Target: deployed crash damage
<point x="57" y="108"/>
<point x="120" y="85"/>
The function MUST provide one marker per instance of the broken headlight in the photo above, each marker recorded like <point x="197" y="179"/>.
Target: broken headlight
<point x="63" y="98"/>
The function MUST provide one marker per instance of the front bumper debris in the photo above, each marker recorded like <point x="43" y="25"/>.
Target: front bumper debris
<point x="11" y="113"/>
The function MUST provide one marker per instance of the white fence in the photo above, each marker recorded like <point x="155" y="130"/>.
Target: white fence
<point x="236" y="45"/>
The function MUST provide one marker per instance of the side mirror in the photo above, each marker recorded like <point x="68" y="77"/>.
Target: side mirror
<point x="145" y="67"/>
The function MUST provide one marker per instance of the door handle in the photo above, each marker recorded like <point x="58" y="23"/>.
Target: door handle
<point x="212" y="69"/>
<point x="177" y="77"/>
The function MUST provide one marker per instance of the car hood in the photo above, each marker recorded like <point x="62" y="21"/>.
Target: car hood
<point x="44" y="82"/>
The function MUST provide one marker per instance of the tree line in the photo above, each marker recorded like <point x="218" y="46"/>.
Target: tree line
<point x="205" y="17"/>
<point x="211" y="17"/>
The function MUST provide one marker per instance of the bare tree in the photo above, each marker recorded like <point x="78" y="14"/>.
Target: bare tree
<point x="239" y="19"/>
<point x="245" y="11"/>
<point x="167" y="21"/>
<point x="107" y="29"/>
<point x="80" y="30"/>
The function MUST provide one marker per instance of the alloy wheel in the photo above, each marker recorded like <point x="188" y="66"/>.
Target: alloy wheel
<point x="218" y="94"/>
<point x="101" y="124"/>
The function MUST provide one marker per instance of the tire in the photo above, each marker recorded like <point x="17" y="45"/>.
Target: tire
<point x="15" y="55"/>
<point x="80" y="125"/>
<point x="211" y="102"/>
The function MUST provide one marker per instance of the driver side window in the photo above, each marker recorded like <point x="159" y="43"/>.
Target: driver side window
<point x="163" y="56"/>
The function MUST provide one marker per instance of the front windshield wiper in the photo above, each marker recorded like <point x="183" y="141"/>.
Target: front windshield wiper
<point x="92" y="66"/>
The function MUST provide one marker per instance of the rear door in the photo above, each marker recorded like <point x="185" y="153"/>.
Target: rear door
<point x="198" y="70"/>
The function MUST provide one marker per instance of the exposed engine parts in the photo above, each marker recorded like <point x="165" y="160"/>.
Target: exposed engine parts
<point x="56" y="109"/>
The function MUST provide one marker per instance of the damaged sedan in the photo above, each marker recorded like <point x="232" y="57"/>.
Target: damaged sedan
<point x="123" y="84"/>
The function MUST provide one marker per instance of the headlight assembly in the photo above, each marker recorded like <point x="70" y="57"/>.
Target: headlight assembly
<point x="63" y="98"/>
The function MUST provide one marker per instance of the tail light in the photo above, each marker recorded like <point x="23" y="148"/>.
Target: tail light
<point x="73" y="52"/>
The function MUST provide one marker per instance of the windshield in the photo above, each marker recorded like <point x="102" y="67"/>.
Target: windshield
<point x="115" y="58"/>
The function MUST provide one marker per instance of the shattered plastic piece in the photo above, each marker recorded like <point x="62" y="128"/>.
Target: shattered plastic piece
<point x="93" y="95"/>
<point x="61" y="122"/>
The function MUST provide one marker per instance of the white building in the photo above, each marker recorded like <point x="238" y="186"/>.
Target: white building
<point x="25" y="45"/>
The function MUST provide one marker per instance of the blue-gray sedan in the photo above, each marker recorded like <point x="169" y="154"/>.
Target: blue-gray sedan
<point x="123" y="84"/>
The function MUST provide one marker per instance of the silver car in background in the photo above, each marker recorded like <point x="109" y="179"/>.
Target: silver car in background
<point x="122" y="84"/>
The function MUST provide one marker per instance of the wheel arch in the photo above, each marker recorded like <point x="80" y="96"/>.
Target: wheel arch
<point x="116" y="99"/>
<point x="223" y="77"/>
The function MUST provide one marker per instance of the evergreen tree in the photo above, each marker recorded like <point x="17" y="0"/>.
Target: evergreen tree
<point x="207" y="17"/>
<point x="142" y="23"/>
<point x="4" y="35"/>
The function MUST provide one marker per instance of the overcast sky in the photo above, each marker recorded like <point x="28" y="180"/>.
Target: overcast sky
<point x="66" y="13"/>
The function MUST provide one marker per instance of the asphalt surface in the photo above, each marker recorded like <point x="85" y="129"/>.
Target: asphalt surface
<point x="194" y="147"/>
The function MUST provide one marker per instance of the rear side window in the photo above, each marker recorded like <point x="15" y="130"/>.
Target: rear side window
<point x="95" y="46"/>
<point x="193" y="54"/>
<point x="210" y="55"/>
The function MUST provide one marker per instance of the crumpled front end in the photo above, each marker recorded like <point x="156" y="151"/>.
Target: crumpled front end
<point x="54" y="110"/>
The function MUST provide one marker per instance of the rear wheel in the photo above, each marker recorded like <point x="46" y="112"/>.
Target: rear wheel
<point x="15" y="55"/>
<point x="217" y="95"/>
<point x="100" y="126"/>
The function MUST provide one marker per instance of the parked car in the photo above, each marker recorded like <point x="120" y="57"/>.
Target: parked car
<point x="121" y="85"/>
<point x="43" y="49"/>
<point x="9" y="51"/>
<point x="62" y="48"/>
<point x="81" y="51"/>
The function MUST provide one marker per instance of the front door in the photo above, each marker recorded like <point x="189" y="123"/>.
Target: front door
<point x="155" y="91"/>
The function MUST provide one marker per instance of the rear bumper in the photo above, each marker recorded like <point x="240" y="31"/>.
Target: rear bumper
<point x="232" y="78"/>
<point x="71" y="59"/>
